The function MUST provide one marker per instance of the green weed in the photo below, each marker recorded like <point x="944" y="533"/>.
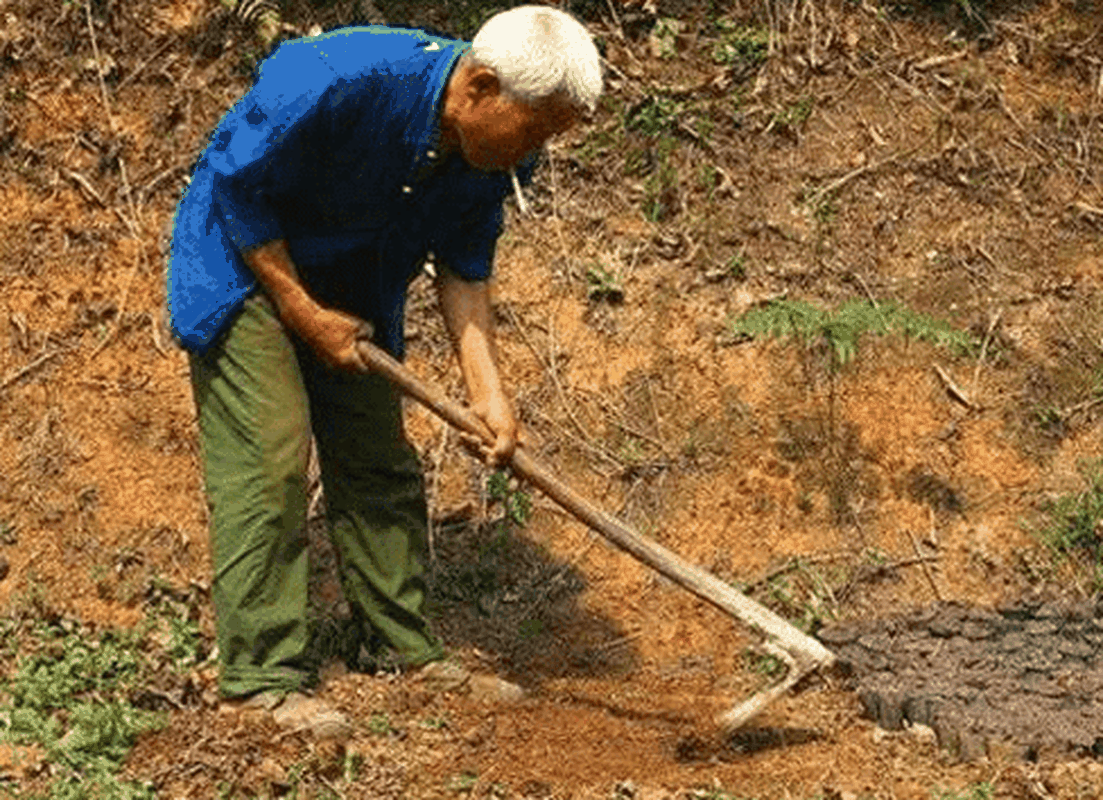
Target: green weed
<point x="766" y="665"/>
<point x="740" y="46"/>
<point x="976" y="791"/>
<point x="516" y="502"/>
<point x="464" y="782"/>
<point x="841" y="330"/>
<point x="603" y="284"/>
<point x="737" y="266"/>
<point x="795" y="114"/>
<point x="665" y="33"/>
<point x="661" y="182"/>
<point x="71" y="697"/>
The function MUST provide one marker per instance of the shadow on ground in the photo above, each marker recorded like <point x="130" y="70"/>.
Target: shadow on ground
<point x="496" y="591"/>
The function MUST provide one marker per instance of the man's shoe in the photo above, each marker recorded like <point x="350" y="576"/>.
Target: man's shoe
<point x="299" y="712"/>
<point x="442" y="676"/>
<point x="294" y="711"/>
<point x="447" y="676"/>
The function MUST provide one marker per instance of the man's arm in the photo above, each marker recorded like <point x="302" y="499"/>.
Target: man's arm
<point x="467" y="313"/>
<point x="332" y="334"/>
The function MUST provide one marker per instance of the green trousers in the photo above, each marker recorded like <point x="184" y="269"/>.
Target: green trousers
<point x="259" y="394"/>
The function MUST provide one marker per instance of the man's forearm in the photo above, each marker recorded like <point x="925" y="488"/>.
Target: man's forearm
<point x="467" y="313"/>
<point x="271" y="263"/>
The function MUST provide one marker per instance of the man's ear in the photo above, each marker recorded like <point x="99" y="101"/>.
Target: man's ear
<point x="483" y="83"/>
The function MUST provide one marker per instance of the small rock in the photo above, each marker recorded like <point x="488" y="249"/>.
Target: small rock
<point x="492" y="689"/>
<point x="480" y="733"/>
<point x="5" y="567"/>
<point x="921" y="734"/>
<point x="271" y="772"/>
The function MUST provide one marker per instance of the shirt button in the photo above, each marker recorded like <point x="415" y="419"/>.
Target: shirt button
<point x="407" y="189"/>
<point x="431" y="154"/>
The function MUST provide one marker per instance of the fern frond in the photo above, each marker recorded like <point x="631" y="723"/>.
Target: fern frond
<point x="842" y="329"/>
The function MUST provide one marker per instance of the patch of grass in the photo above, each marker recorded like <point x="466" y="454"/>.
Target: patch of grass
<point x="737" y="266"/>
<point x="795" y="114"/>
<point x="840" y="330"/>
<point x="764" y="664"/>
<point x="654" y="116"/>
<point x="1074" y="522"/>
<point x="665" y="33"/>
<point x="661" y="184"/>
<point x="598" y="143"/>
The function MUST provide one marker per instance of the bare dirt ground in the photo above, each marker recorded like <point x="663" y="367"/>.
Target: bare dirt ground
<point x="812" y="150"/>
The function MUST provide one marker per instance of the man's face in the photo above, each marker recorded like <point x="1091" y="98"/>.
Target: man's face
<point x="495" y="133"/>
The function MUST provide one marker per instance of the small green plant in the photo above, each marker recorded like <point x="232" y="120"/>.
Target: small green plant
<point x="976" y="791"/>
<point x="464" y="782"/>
<point x="653" y="116"/>
<point x="840" y="330"/>
<point x="435" y="723"/>
<point x="737" y="266"/>
<point x="530" y="628"/>
<point x="380" y="724"/>
<point x="795" y="114"/>
<point x="661" y="182"/>
<point x="603" y="284"/>
<point x="740" y="46"/>
<point x="765" y="664"/>
<point x="665" y="36"/>
<point x="70" y="696"/>
<point x="516" y="502"/>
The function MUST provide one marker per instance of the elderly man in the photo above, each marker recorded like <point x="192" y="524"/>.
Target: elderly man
<point x="355" y="155"/>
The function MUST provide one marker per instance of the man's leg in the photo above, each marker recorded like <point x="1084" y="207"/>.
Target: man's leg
<point x="376" y="506"/>
<point x="253" y="421"/>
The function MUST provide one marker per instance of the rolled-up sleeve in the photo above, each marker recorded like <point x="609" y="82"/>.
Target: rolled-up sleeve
<point x="468" y="247"/>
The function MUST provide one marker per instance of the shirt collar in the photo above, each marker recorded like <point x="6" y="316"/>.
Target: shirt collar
<point x="424" y="141"/>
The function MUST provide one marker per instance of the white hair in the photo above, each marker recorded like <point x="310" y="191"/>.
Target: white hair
<point x="538" y="51"/>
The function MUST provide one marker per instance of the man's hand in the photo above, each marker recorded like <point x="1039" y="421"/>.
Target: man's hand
<point x="333" y="336"/>
<point x="497" y="412"/>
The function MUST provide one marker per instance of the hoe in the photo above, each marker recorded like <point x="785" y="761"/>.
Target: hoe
<point x="800" y="653"/>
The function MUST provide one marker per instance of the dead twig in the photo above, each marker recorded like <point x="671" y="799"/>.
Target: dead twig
<point x="29" y="368"/>
<point x="85" y="184"/>
<point x="1082" y="406"/>
<point x="954" y="390"/>
<point x="984" y="349"/>
<point x="926" y="569"/>
<point x="138" y="69"/>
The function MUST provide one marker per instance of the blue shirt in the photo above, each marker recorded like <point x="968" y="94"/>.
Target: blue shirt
<point x="336" y="150"/>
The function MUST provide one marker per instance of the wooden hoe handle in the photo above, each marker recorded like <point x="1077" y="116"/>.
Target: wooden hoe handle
<point x="805" y="654"/>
